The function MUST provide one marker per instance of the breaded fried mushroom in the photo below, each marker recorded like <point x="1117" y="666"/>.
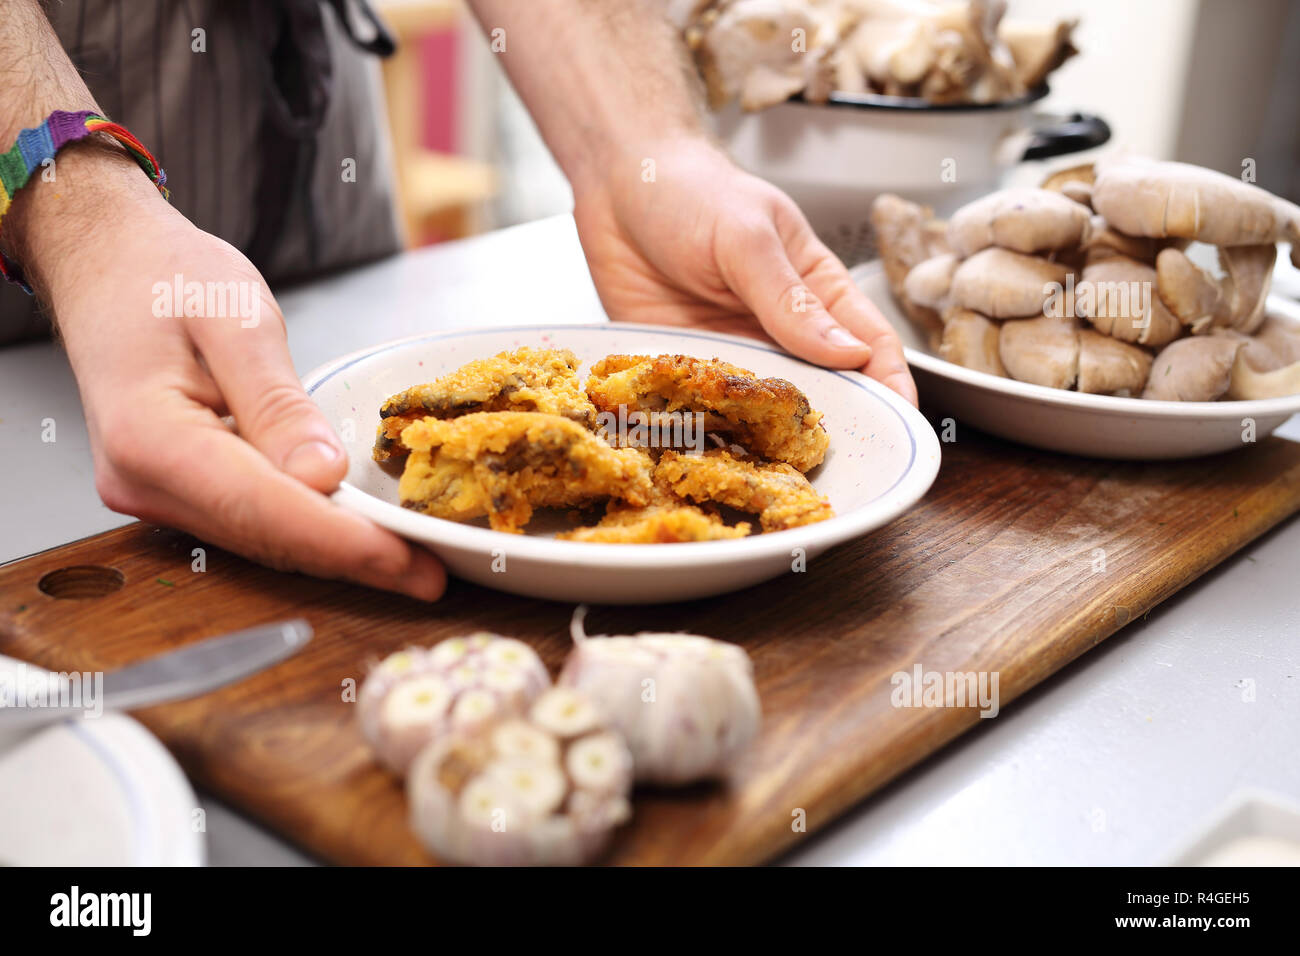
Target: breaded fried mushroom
<point x="657" y="524"/>
<point x="505" y="464"/>
<point x="525" y="380"/>
<point x="780" y="496"/>
<point x="768" y="416"/>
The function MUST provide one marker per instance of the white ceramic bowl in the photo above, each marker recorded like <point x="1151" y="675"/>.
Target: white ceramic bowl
<point x="1098" y="426"/>
<point x="101" y="791"/>
<point x="883" y="456"/>
<point x="1254" y="828"/>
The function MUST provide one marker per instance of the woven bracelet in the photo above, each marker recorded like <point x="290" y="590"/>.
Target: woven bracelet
<point x="37" y="145"/>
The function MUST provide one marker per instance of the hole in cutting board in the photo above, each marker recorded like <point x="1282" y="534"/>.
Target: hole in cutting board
<point x="82" y="581"/>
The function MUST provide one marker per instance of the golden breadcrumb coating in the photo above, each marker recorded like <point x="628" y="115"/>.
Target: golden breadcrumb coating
<point x="769" y="416"/>
<point x="525" y="380"/>
<point x="779" y="494"/>
<point x="657" y="524"/>
<point x="505" y="464"/>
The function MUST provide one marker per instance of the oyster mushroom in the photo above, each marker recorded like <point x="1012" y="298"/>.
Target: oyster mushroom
<point x="746" y="52"/>
<point x="1268" y="365"/>
<point x="1196" y="369"/>
<point x="943" y="52"/>
<point x="417" y="695"/>
<point x="1117" y="295"/>
<point x="1037" y="47"/>
<point x="1042" y="351"/>
<point x="893" y="49"/>
<point x="972" y="63"/>
<point x="686" y="705"/>
<point x="907" y="235"/>
<point x="1084" y="175"/>
<point x="1022" y="220"/>
<point x="1190" y="293"/>
<point x="1281" y="337"/>
<point x="1078" y="192"/>
<point x="1003" y="284"/>
<point x="1108" y="366"/>
<point x="928" y="282"/>
<point x="1145" y="197"/>
<point x="1248" y="271"/>
<point x="971" y="341"/>
<point x="1103" y="241"/>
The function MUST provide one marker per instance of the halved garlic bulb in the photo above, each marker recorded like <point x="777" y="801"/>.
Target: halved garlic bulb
<point x="416" y="695"/>
<point x="542" y="789"/>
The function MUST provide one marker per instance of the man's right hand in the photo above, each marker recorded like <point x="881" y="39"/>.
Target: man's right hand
<point x="155" y="389"/>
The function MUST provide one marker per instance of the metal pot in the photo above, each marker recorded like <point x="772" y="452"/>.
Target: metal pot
<point x="834" y="158"/>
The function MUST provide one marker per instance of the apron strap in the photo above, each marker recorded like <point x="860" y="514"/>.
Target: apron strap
<point x="291" y="56"/>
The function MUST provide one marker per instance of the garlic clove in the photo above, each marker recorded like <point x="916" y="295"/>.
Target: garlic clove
<point x="518" y="738"/>
<point x="599" y="762"/>
<point x="535" y="787"/>
<point x="565" y="713"/>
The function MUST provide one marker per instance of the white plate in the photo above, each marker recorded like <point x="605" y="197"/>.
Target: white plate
<point x="883" y="456"/>
<point x="1254" y="828"/>
<point x="96" y="792"/>
<point x="1099" y="426"/>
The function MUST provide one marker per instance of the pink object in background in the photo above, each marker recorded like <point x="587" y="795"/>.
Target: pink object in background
<point x="439" y="55"/>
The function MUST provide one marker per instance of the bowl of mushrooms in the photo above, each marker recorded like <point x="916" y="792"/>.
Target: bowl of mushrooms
<point x="837" y="101"/>
<point x="1120" y="310"/>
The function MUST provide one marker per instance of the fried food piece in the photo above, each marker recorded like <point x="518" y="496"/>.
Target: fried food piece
<point x="779" y="494"/>
<point x="505" y="464"/>
<point x="769" y="416"/>
<point x="525" y="380"/>
<point x="657" y="524"/>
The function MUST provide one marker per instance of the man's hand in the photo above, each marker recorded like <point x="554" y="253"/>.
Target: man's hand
<point x="155" y="387"/>
<point x="683" y="237"/>
<point x="93" y="244"/>
<point x="613" y="89"/>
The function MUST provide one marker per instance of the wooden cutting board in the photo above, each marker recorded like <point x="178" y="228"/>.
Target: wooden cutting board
<point x="1016" y="562"/>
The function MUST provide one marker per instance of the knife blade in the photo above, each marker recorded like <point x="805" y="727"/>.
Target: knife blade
<point x="186" y="672"/>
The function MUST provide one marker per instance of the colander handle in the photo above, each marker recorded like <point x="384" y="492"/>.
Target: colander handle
<point x="1066" y="134"/>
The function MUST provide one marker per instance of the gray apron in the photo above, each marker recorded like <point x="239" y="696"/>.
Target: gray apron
<point x="269" y="123"/>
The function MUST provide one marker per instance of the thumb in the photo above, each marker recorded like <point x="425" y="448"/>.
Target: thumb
<point x="253" y="369"/>
<point x="759" y="272"/>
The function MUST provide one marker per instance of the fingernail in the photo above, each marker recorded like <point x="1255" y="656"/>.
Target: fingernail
<point x="310" y="457"/>
<point x="838" y="335"/>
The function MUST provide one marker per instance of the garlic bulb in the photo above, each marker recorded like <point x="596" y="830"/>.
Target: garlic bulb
<point x="547" y="789"/>
<point x="686" y="705"/>
<point x="417" y="694"/>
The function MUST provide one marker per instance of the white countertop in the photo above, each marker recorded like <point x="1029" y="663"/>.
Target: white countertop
<point x="1118" y="759"/>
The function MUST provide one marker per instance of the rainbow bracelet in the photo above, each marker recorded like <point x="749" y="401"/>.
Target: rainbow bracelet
<point x="37" y="145"/>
